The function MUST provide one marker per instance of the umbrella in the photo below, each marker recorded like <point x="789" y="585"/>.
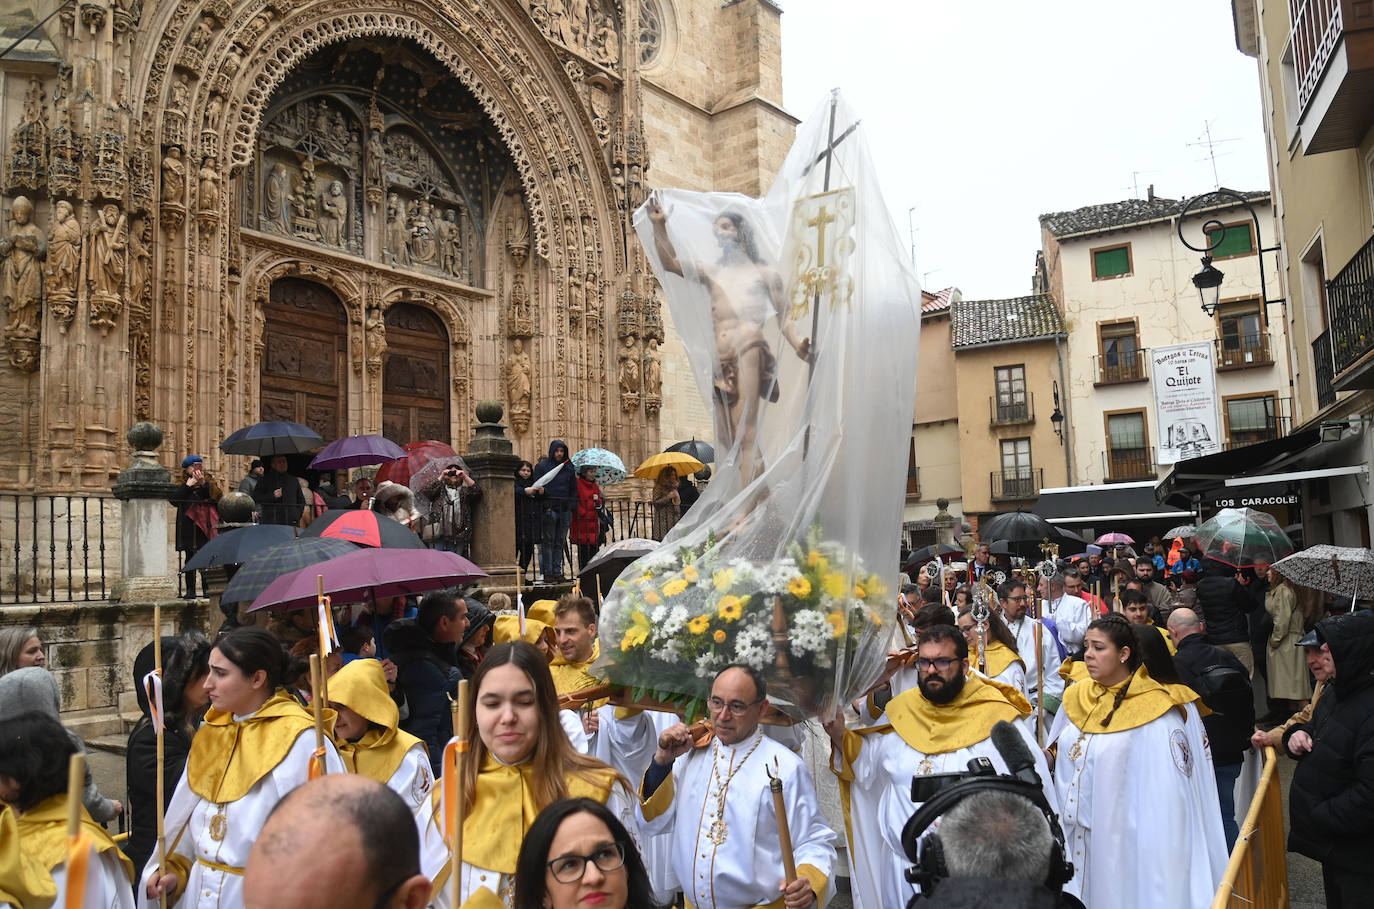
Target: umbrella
<point x="1017" y="527"/>
<point x="1110" y="539"/>
<point x="239" y="545"/>
<point x="368" y="574"/>
<point x="1341" y="570"/>
<point x="432" y="470"/>
<point x="682" y="463"/>
<point x="418" y="454"/>
<point x="612" y="559"/>
<point x="609" y="468"/>
<point x="926" y="553"/>
<point x="271" y="437"/>
<point x="702" y="451"/>
<point x="1182" y="530"/>
<point x="355" y="451"/>
<point x="274" y="561"/>
<point x="364" y="527"/>
<point x="1243" y="537"/>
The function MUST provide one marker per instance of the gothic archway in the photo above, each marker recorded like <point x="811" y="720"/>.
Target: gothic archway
<point x="303" y="376"/>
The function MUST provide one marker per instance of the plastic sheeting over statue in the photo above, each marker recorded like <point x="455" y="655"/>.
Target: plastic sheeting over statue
<point x="800" y="318"/>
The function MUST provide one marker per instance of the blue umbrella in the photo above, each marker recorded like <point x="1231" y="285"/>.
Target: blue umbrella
<point x="271" y="437"/>
<point x="609" y="468"/>
<point x="237" y="546"/>
<point x="275" y="561"/>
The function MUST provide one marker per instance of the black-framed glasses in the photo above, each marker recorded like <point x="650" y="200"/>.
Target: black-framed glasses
<point x="568" y="869"/>
<point x="735" y="707"/>
<point x="940" y="664"/>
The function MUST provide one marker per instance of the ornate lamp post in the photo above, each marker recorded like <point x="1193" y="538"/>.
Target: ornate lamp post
<point x="1209" y="277"/>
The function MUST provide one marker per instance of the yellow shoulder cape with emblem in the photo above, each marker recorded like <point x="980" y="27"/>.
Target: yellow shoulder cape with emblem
<point x="938" y="728"/>
<point x="229" y="756"/>
<point x="569" y="677"/>
<point x="24" y="880"/>
<point x="998" y="657"/>
<point x="1089" y="702"/>
<point x="1072" y="670"/>
<point x="361" y="687"/>
<point x="43" y="831"/>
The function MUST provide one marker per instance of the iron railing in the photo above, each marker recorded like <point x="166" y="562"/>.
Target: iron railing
<point x="1003" y="410"/>
<point x="1322" y="370"/>
<point x="1241" y="351"/>
<point x="1016" y="483"/>
<point x="1276" y="426"/>
<point x="53" y="548"/>
<point x="1123" y="464"/>
<point x="1350" y="306"/>
<point x="1124" y="367"/>
<point x="1317" y="26"/>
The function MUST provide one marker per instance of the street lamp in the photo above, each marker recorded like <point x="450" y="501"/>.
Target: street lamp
<point x="1057" y="418"/>
<point x="1209" y="277"/>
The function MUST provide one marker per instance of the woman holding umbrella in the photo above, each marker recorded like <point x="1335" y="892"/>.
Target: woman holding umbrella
<point x="197" y="518"/>
<point x="585" y="530"/>
<point x="666" y="501"/>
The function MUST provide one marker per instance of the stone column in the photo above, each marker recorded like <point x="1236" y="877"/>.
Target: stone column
<point x="144" y="488"/>
<point x="491" y="461"/>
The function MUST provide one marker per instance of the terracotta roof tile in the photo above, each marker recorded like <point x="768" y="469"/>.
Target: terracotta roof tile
<point x="978" y="322"/>
<point x="1110" y="215"/>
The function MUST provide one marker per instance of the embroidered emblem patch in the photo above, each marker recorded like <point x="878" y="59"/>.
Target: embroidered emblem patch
<point x="420" y="786"/>
<point x="1181" y="751"/>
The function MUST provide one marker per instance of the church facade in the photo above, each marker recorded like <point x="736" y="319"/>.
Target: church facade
<point x="360" y="215"/>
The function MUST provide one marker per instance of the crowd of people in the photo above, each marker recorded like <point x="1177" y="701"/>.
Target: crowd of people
<point x="1112" y="700"/>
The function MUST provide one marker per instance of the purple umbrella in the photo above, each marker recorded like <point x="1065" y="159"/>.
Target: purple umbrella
<point x="368" y="574"/>
<point x="355" y="451"/>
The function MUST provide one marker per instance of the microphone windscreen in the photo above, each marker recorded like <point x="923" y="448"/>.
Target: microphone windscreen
<point x="1012" y="747"/>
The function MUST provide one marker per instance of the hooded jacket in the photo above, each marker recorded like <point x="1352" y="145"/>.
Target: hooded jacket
<point x="180" y="657"/>
<point x="559" y="492"/>
<point x="427" y="673"/>
<point x="1331" y="800"/>
<point x="35" y="689"/>
<point x="1224" y="603"/>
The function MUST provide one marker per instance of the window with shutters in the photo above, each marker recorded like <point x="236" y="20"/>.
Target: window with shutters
<point x="1128" y="450"/>
<point x="1111" y="262"/>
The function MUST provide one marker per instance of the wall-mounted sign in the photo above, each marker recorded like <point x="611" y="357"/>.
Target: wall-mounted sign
<point x="1185" y="385"/>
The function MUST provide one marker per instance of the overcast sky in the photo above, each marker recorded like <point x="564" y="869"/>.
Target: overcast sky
<point x="983" y="115"/>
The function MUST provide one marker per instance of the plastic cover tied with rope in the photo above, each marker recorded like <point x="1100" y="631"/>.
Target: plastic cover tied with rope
<point x="800" y="317"/>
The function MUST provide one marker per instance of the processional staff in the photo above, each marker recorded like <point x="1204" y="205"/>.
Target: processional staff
<point x="452" y="804"/>
<point x="789" y="861"/>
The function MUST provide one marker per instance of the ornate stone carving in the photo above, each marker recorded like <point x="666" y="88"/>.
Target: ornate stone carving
<point x="63" y="265"/>
<point x="651" y="32"/>
<point x="586" y="27"/>
<point x="653" y="378"/>
<point x="107" y="245"/>
<point x="141" y="315"/>
<point x="109" y="172"/>
<point x="207" y="195"/>
<point x="520" y="316"/>
<point x="276" y="194"/>
<point x="653" y="313"/>
<point x="629" y="375"/>
<point x="334" y="215"/>
<point x="28" y="164"/>
<point x="519" y="386"/>
<point x="21" y="252"/>
<point x="397" y="232"/>
<point x="303" y="202"/>
<point x="628" y="315"/>
<point x="376" y="338"/>
<point x="173" y="177"/>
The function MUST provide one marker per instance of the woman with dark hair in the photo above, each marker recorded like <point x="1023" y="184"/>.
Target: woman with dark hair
<point x="577" y="852"/>
<point x="999" y="660"/>
<point x="520" y="761"/>
<point x="185" y="664"/>
<point x="1129" y="772"/>
<point x="585" y="529"/>
<point x="527" y="516"/>
<point x="35" y="752"/>
<point x="254" y="747"/>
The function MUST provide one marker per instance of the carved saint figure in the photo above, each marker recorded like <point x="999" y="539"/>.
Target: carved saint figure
<point x="278" y="189"/>
<point x="653" y="369"/>
<point x="109" y="238"/>
<point x="208" y="197"/>
<point x="180" y="89"/>
<point x="173" y="176"/>
<point x="375" y="157"/>
<point x="606" y="42"/>
<point x="375" y="330"/>
<point x="629" y="367"/>
<point x="334" y="214"/>
<point x="450" y="240"/>
<point x="518" y="382"/>
<point x="397" y="234"/>
<point x="20" y="275"/>
<point x="200" y="36"/>
<point x="212" y="109"/>
<point x="233" y="59"/>
<point x="422" y="242"/>
<point x="140" y="266"/>
<point x="64" y="263"/>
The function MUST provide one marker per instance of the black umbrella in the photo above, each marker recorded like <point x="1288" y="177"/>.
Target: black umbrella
<point x="239" y="545"/>
<point x="271" y="437"/>
<point x="702" y="451"/>
<point x="926" y="553"/>
<point x="613" y="559"/>
<point x="1016" y="527"/>
<point x="262" y="569"/>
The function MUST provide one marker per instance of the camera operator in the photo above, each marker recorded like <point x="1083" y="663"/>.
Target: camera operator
<point x="449" y="518"/>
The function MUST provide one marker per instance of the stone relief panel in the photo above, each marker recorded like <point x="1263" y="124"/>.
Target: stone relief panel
<point x="588" y="28"/>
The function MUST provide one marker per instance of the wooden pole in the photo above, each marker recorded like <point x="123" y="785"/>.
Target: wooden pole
<point x="324" y="620"/>
<point x="76" y="784"/>
<point x="1039" y="677"/>
<point x="789" y="861"/>
<point x="161" y="783"/>
<point x="462" y="716"/>
<point x="317" y="705"/>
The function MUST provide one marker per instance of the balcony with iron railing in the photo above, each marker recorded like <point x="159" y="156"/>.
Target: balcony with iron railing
<point x="1115" y="369"/>
<point x="1333" y="67"/>
<point x="1243" y="351"/>
<point x="1123" y="465"/>
<point x="1275" y="426"/>
<point x="1016" y="483"/>
<point x="1350" y="310"/>
<point x="1009" y="410"/>
<point x="1322" y="370"/>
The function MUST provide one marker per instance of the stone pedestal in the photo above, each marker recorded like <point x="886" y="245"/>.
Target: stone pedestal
<point x="144" y="488"/>
<point x="491" y="461"/>
<point x="944" y="523"/>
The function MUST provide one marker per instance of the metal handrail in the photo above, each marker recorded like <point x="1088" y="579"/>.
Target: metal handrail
<point x="1257" y="874"/>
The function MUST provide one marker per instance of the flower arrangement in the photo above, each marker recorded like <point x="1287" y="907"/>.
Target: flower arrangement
<point x="809" y="620"/>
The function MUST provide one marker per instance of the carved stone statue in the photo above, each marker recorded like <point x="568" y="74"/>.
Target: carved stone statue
<point x="629" y="375"/>
<point x="653" y="369"/>
<point x="233" y="59"/>
<point x="20" y="273"/>
<point x="140" y="268"/>
<point x="201" y="34"/>
<point x="212" y="109"/>
<point x="451" y="243"/>
<point x="375" y="158"/>
<point x="520" y="315"/>
<point x="606" y="43"/>
<point x="423" y="245"/>
<point x="178" y="95"/>
<point x="302" y="202"/>
<point x="109" y="242"/>
<point x="207" y="199"/>
<point x="518" y="385"/>
<point x="375" y="329"/>
<point x="275" y="199"/>
<point x="64" y="264"/>
<point x="334" y="214"/>
<point x="397" y="234"/>
<point x="173" y="177"/>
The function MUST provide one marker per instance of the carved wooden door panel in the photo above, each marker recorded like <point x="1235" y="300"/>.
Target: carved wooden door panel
<point x="303" y="375"/>
<point x="415" y="379"/>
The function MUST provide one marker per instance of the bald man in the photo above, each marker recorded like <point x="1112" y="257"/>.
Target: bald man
<point x="339" y="842"/>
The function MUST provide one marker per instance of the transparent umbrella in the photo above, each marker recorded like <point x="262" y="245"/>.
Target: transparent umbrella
<point x="1243" y="537"/>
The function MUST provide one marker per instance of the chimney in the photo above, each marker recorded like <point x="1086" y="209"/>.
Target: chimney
<point x="1150" y="193"/>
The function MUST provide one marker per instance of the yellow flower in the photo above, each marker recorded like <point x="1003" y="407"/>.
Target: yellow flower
<point x="638" y="632"/>
<point x="875" y="587"/>
<point x="812" y="558"/>
<point x="836" y="620"/>
<point x="699" y="624"/>
<point x="859" y="592"/>
<point x="644" y="579"/>
<point x="729" y="608"/>
<point x="799" y="587"/>
<point x="724" y="578"/>
<point x="690" y="574"/>
<point x="835" y="585"/>
<point x="674" y="587"/>
<point x="652" y="598"/>
<point x="719" y="636"/>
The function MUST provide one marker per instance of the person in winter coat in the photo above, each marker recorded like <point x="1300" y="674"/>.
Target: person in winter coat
<point x="425" y="651"/>
<point x="586" y="523"/>
<point x="560" y="494"/>
<point x="667" y="502"/>
<point x="1287" y="672"/>
<point x="1224" y="604"/>
<point x="451" y="498"/>
<point x="1331" y="800"/>
<point x="528" y="508"/>
<point x="279" y="495"/>
<point x="197" y="517"/>
<point x="185" y="664"/>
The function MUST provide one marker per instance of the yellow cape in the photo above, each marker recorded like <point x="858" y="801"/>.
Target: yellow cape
<point x="569" y="677"/>
<point x="1072" y="670"/>
<point x="998" y="657"/>
<point x="43" y="831"/>
<point x="24" y="880"/>
<point x="938" y="728"/>
<point x="507" y="628"/>
<point x="227" y="757"/>
<point x="542" y="611"/>
<point x="361" y="687"/>
<point x="1089" y="702"/>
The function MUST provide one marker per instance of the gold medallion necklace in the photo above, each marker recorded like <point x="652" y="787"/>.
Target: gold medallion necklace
<point x="719" y="830"/>
<point x="219" y="824"/>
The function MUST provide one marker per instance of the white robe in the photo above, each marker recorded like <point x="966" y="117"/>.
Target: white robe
<point x="1071" y="616"/>
<point x="1024" y="629"/>
<point x="1152" y="837"/>
<point x="571" y="721"/>
<point x="628" y="745"/>
<point x="413" y="781"/>
<point x="746" y="868"/>
<point x="880" y="805"/>
<point x="107" y="884"/>
<point x="188" y="828"/>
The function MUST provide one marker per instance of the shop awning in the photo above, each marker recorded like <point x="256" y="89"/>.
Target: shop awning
<point x="1115" y="503"/>
<point x="1200" y="475"/>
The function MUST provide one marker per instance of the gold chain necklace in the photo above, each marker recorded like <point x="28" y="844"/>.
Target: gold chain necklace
<point x="719" y="829"/>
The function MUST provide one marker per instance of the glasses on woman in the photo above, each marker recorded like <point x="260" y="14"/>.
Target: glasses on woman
<point x="568" y="869"/>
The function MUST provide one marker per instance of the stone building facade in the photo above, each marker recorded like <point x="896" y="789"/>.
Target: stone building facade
<point x="361" y="215"/>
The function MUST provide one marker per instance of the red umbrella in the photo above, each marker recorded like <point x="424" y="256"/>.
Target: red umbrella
<point x="418" y="454"/>
<point x="368" y="574"/>
<point x="365" y="527"/>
